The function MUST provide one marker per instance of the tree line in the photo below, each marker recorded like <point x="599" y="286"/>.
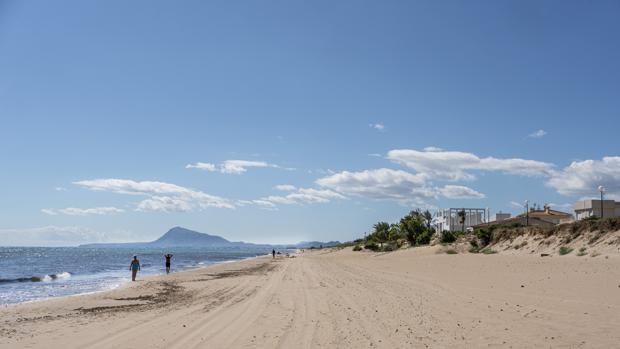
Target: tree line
<point x="414" y="229"/>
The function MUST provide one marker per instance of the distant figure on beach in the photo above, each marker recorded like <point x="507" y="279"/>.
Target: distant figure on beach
<point x="273" y="253"/>
<point x="134" y="267"/>
<point x="168" y="257"/>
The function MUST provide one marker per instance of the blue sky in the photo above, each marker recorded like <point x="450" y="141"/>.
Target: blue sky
<point x="364" y="110"/>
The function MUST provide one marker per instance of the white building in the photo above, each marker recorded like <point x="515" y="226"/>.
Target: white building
<point x="499" y="216"/>
<point x="450" y="219"/>
<point x="589" y="208"/>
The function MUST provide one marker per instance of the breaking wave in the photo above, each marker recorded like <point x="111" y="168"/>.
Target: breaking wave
<point x="44" y="278"/>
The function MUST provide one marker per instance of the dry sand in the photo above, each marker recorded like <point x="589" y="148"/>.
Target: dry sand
<point x="343" y="299"/>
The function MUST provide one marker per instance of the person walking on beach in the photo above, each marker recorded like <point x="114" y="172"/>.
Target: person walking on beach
<point x="168" y="257"/>
<point x="134" y="267"/>
<point x="273" y="253"/>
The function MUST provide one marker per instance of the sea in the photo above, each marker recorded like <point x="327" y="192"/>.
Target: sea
<point x="37" y="273"/>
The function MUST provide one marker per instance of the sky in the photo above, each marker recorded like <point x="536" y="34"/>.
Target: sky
<point x="281" y="121"/>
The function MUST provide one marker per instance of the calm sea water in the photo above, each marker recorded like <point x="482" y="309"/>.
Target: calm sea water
<point x="34" y="273"/>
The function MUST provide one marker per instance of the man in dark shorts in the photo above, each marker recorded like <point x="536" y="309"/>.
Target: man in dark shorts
<point x="168" y="257"/>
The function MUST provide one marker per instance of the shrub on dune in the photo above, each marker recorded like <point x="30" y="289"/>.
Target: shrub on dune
<point x="448" y="237"/>
<point x="371" y="245"/>
<point x="565" y="250"/>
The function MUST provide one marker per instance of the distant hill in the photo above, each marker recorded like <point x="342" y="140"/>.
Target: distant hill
<point x="181" y="237"/>
<point x="316" y="244"/>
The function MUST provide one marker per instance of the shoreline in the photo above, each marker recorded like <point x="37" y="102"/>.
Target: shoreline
<point x="342" y="299"/>
<point x="125" y="282"/>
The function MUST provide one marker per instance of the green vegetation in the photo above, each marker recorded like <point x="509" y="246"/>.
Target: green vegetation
<point x="371" y="245"/>
<point x="388" y="248"/>
<point x="415" y="229"/>
<point x="487" y="251"/>
<point x="565" y="250"/>
<point x="451" y="251"/>
<point x="582" y="252"/>
<point x="448" y="237"/>
<point x="485" y="235"/>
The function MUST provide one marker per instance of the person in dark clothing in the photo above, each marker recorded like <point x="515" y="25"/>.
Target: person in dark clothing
<point x="168" y="258"/>
<point x="134" y="267"/>
<point x="273" y="253"/>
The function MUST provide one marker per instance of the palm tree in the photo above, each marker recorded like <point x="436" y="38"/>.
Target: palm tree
<point x="462" y="218"/>
<point x="428" y="217"/>
<point x="395" y="233"/>
<point x="381" y="231"/>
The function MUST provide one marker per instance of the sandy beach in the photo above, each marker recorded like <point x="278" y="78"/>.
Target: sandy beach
<point x="342" y="299"/>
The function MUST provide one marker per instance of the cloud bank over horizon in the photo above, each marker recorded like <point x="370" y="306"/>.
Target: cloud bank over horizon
<point x="422" y="187"/>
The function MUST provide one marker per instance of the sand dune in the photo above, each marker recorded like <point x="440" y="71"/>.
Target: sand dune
<point x="342" y="299"/>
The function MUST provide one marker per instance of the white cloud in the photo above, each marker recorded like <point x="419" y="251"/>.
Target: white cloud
<point x="260" y="203"/>
<point x="202" y="166"/>
<point x="455" y="165"/>
<point x="537" y="134"/>
<point x="302" y="196"/>
<point x="156" y="191"/>
<point x="299" y="196"/>
<point x="285" y="187"/>
<point x="432" y="149"/>
<point x="383" y="184"/>
<point x="233" y="166"/>
<point x="378" y="126"/>
<point x="74" y="211"/>
<point x="164" y="204"/>
<point x="240" y="166"/>
<point x="582" y="178"/>
<point x="60" y="189"/>
<point x="460" y="192"/>
<point x="516" y="204"/>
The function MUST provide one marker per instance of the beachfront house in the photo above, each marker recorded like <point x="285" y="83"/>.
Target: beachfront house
<point x="546" y="217"/>
<point x="549" y="215"/>
<point x="592" y="208"/>
<point x="454" y="219"/>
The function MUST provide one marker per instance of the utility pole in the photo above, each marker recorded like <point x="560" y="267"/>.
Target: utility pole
<point x="601" y="189"/>
<point x="527" y="213"/>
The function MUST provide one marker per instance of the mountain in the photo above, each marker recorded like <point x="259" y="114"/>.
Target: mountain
<point x="181" y="237"/>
